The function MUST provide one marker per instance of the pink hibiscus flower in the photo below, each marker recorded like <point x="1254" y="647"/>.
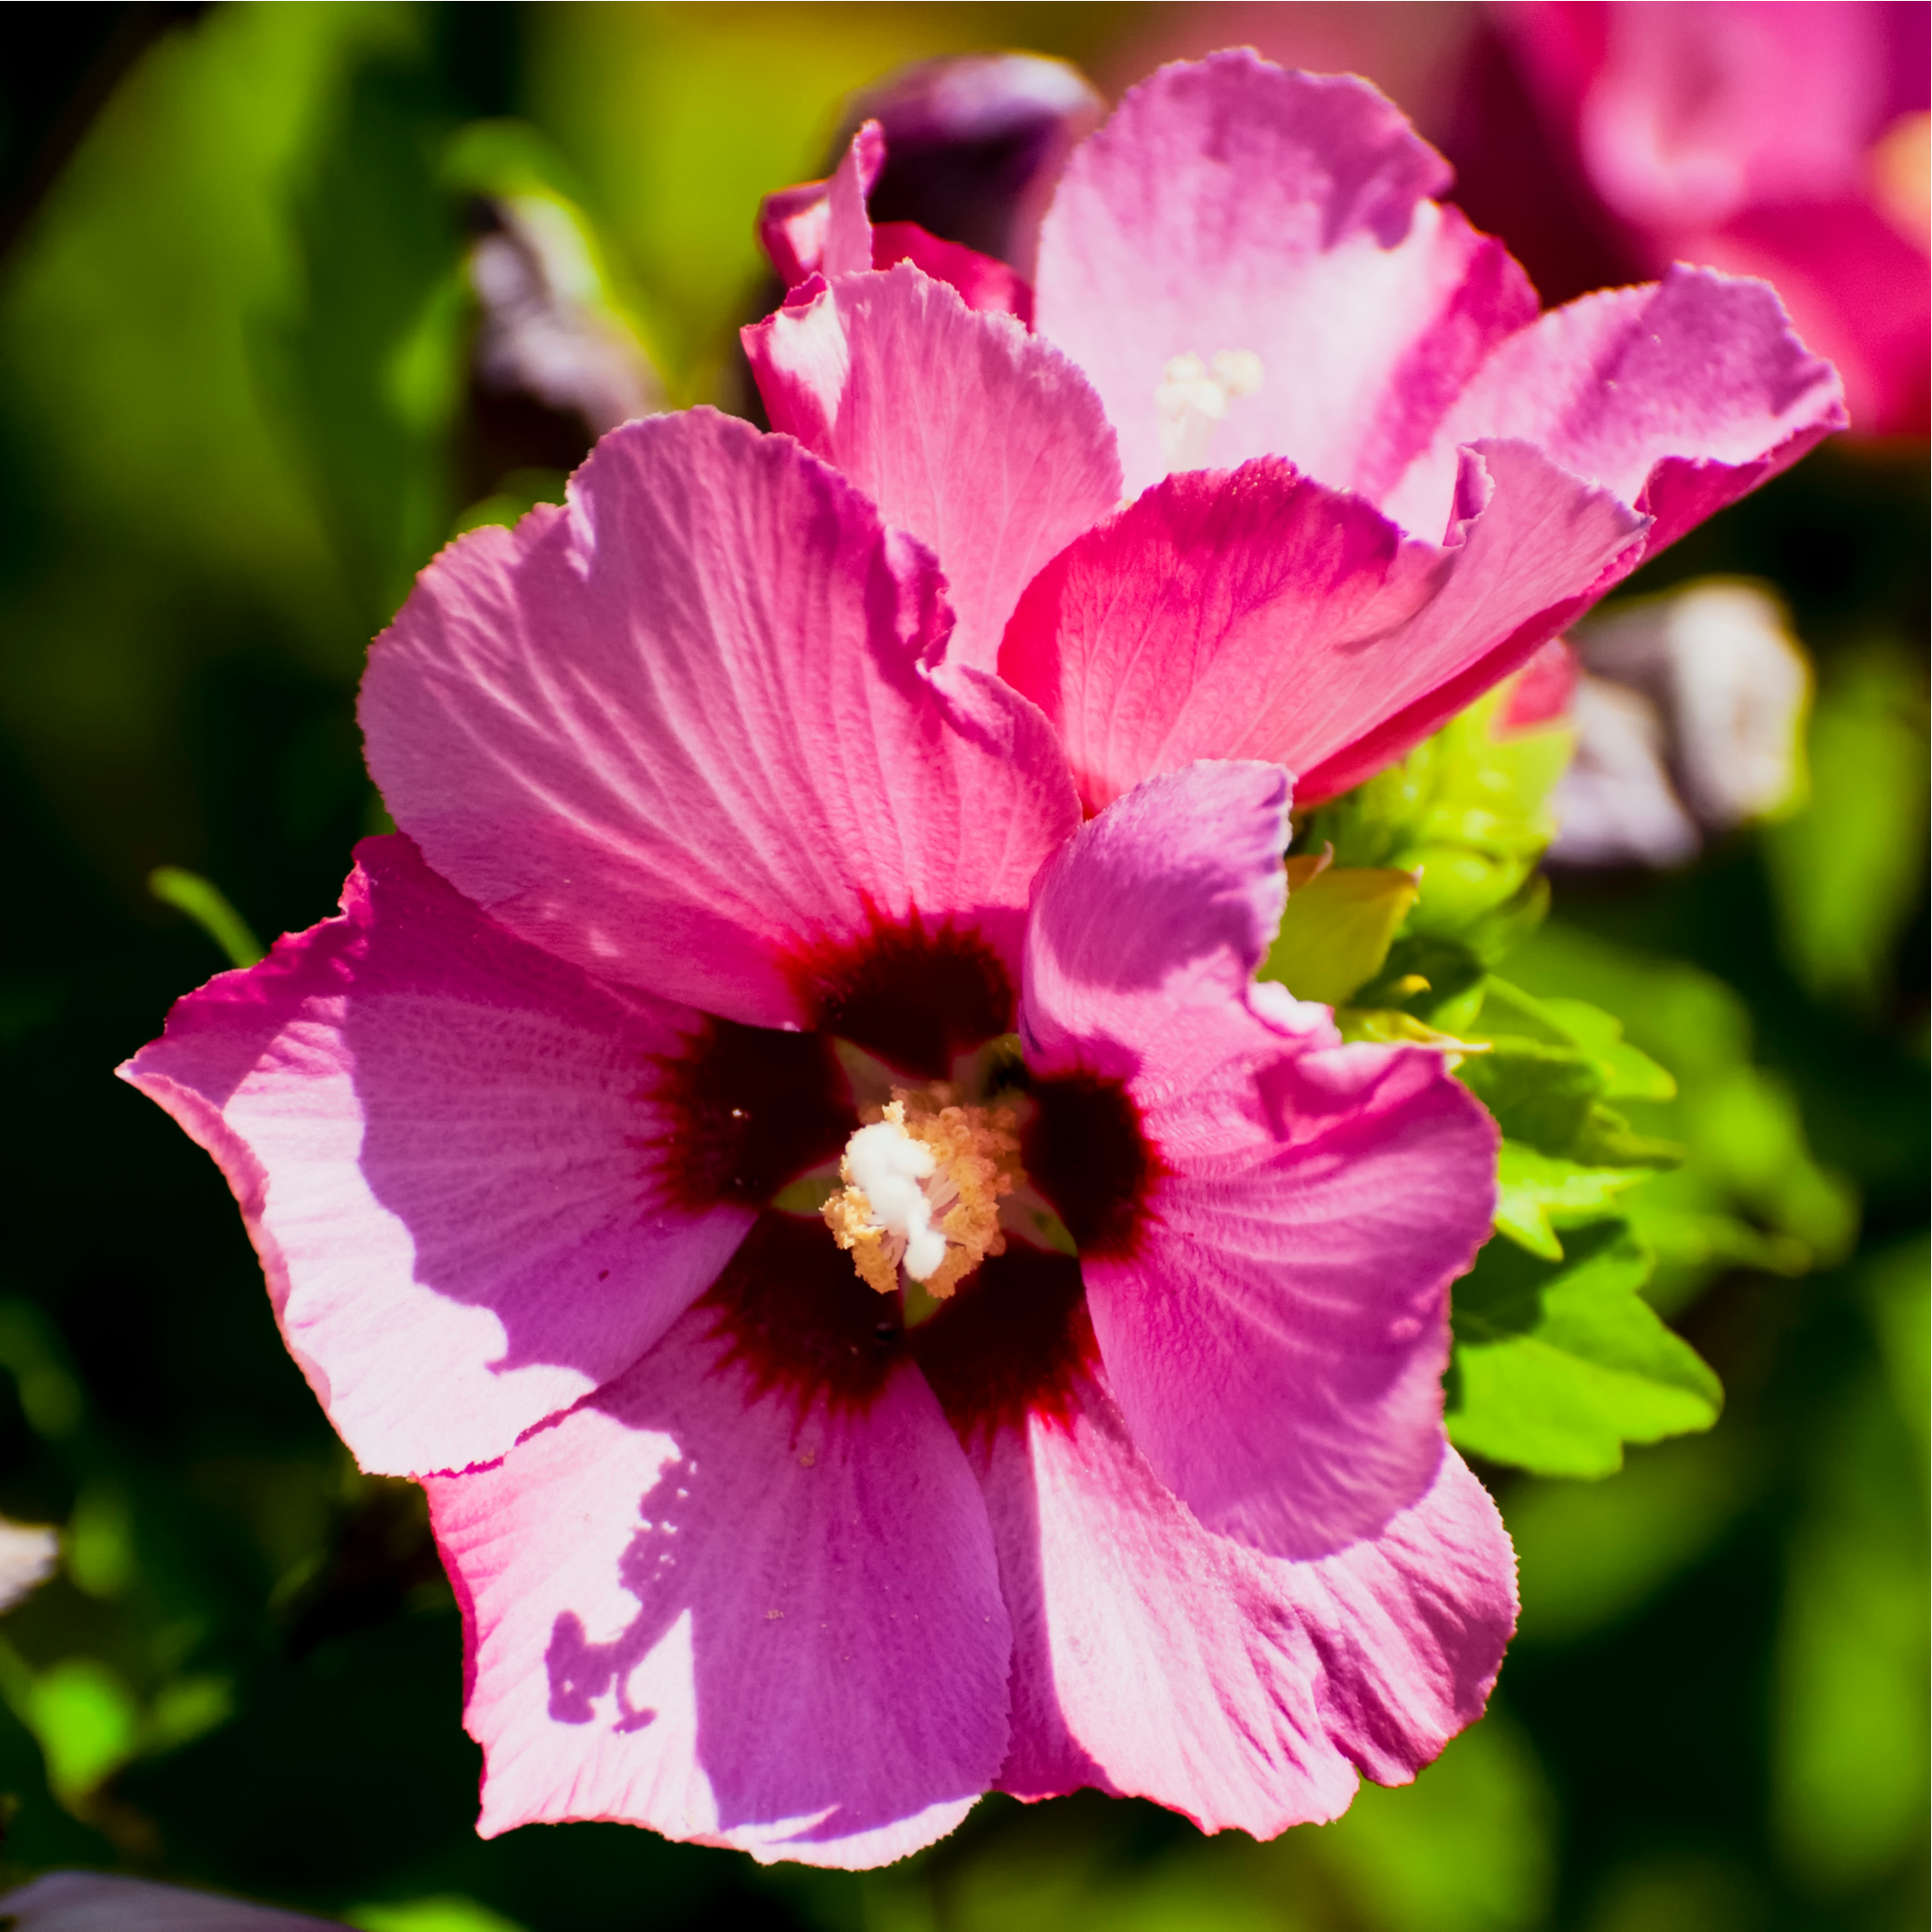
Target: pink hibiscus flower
<point x="722" y="875"/>
<point x="1420" y="479"/>
<point x="1787" y="140"/>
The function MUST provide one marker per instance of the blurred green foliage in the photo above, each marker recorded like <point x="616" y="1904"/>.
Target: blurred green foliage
<point x="233" y="422"/>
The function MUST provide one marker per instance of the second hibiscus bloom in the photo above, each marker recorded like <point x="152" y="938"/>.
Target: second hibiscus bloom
<point x="750" y="860"/>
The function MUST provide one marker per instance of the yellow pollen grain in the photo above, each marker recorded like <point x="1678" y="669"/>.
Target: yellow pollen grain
<point x="976" y="1166"/>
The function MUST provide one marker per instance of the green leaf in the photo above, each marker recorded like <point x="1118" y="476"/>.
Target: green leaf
<point x="1847" y="871"/>
<point x="446" y="1911"/>
<point x="1559" y="1362"/>
<point x="1549" y="1067"/>
<point x="1336" y="929"/>
<point x="1531" y="1186"/>
<point x="1628" y="1074"/>
<point x="205" y="904"/>
<point x="1470" y="807"/>
<point x="1540" y="1096"/>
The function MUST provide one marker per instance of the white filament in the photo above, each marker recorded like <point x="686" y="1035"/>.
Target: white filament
<point x="1193" y="396"/>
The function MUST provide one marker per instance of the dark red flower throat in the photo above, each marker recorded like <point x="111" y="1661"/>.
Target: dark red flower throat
<point x="748" y="1111"/>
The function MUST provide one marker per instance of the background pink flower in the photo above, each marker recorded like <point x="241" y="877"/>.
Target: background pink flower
<point x="1245" y="269"/>
<point x="1786" y="141"/>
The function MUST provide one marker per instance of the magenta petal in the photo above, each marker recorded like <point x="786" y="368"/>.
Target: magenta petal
<point x="694" y="724"/>
<point x="848" y="229"/>
<point x="1275" y="1321"/>
<point x="1230" y="207"/>
<point x="1277" y="1335"/>
<point x="981" y="440"/>
<point x="1261" y="615"/>
<point x="713" y="1611"/>
<point x="1161" y="907"/>
<point x="1154" y="1658"/>
<point x="439" y="1135"/>
<point x="1678" y="397"/>
<point x="984" y="281"/>
<point x="821" y="227"/>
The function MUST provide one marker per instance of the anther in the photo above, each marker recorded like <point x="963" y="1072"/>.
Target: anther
<point x="923" y="1178"/>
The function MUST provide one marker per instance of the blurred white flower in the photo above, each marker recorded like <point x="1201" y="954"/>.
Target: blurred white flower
<point x="1689" y="717"/>
<point x="27" y="1557"/>
<point x="548" y="329"/>
<point x="77" y="1901"/>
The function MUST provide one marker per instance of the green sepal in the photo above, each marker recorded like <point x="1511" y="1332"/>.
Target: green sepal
<point x="1469" y="806"/>
<point x="1336" y="929"/>
<point x="1559" y="1362"/>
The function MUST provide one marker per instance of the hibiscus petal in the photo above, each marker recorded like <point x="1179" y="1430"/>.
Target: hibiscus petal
<point x="821" y="227"/>
<point x="1164" y="904"/>
<point x="982" y="281"/>
<point x="1230" y="207"/>
<point x="1154" y="1658"/>
<point x="1261" y="615"/>
<point x="733" y="1616"/>
<point x="1679" y="397"/>
<point x="434" y="1131"/>
<point x="983" y="442"/>
<point x="694" y="724"/>
<point x="1275" y="1321"/>
<point x="1277" y="1335"/>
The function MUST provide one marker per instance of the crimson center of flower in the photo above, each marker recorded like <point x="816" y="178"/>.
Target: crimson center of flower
<point x="923" y="1178"/>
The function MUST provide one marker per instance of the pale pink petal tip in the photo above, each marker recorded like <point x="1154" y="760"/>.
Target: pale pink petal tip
<point x="821" y="227"/>
<point x="1275" y="1321"/>
<point x="692" y="726"/>
<point x="433" y="1131"/>
<point x="983" y="442"/>
<point x="734" y="1617"/>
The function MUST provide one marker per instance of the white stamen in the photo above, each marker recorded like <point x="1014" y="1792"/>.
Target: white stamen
<point x="888" y="1166"/>
<point x="924" y="1178"/>
<point x="1193" y="396"/>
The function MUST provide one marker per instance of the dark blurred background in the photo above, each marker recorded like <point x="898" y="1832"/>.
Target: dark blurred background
<point x="274" y="301"/>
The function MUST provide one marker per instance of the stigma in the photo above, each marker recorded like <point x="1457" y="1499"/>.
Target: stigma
<point x="923" y="1178"/>
<point x="1193" y="396"/>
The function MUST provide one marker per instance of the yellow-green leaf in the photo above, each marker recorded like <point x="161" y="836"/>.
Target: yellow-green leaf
<point x="1559" y="1362"/>
<point x="1336" y="930"/>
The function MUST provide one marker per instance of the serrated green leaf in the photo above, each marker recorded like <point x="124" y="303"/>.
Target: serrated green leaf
<point x="1549" y="1067"/>
<point x="1540" y="1096"/>
<point x="1608" y="1140"/>
<point x="1628" y="1073"/>
<point x="1625" y="1072"/>
<point x="1335" y="930"/>
<point x="1531" y="1186"/>
<point x="1558" y="1363"/>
